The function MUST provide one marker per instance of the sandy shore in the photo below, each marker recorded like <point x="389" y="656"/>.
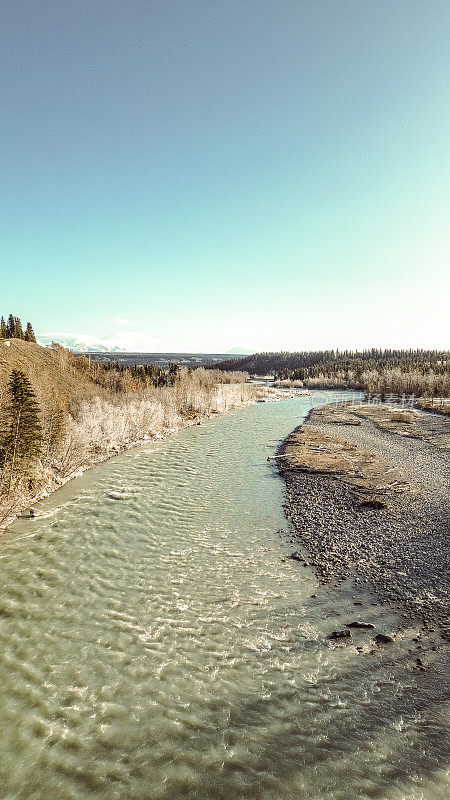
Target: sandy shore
<point x="368" y="498"/>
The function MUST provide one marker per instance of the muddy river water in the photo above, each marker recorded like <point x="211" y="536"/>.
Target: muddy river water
<point x="154" y="644"/>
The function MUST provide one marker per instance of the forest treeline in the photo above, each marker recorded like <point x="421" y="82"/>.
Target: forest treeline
<point x="12" y="329"/>
<point x="118" y="377"/>
<point x="61" y="413"/>
<point x="420" y="372"/>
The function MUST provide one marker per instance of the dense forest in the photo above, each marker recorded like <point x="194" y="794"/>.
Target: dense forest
<point x="419" y="372"/>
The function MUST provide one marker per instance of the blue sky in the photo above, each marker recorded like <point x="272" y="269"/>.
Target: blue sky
<point x="199" y="175"/>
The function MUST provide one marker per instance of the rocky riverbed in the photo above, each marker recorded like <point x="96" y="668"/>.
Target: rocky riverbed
<point x="367" y="494"/>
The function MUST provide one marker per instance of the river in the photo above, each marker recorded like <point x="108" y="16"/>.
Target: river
<point x="154" y="644"/>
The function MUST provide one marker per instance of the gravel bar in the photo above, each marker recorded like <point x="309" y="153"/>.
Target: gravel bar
<point x="401" y="550"/>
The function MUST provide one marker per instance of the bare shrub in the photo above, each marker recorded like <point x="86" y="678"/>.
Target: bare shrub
<point x="399" y="382"/>
<point x="288" y="384"/>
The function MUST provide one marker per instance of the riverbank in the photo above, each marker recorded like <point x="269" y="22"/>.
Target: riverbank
<point x="85" y="413"/>
<point x="243" y="397"/>
<point x="24" y="509"/>
<point x="367" y="495"/>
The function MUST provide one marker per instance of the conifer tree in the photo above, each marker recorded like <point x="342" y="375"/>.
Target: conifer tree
<point x="29" y="333"/>
<point x="3" y="329"/>
<point x="18" y="331"/>
<point x="21" y="439"/>
<point x="10" y="327"/>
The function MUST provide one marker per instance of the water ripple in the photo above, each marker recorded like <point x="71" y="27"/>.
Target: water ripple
<point x="153" y="645"/>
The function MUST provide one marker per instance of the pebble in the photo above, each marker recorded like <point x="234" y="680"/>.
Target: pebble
<point x="357" y="624"/>
<point x="383" y="638"/>
<point x="401" y="551"/>
<point x="340" y="635"/>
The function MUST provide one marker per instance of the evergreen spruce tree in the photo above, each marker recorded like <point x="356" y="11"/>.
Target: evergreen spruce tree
<point x="18" y="331"/>
<point x="3" y="330"/>
<point x="21" y="439"/>
<point x="29" y="333"/>
<point x="10" y="327"/>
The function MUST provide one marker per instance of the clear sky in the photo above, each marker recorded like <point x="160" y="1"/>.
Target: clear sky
<point x="202" y="175"/>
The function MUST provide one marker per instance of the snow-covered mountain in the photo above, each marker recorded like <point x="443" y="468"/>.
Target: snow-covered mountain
<point x="128" y="342"/>
<point x="83" y="343"/>
<point x="240" y="351"/>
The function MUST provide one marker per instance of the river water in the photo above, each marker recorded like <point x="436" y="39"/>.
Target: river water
<point x="153" y="644"/>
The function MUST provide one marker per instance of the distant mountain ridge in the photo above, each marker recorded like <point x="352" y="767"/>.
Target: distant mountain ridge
<point x="83" y="343"/>
<point x="240" y="351"/>
<point x="86" y="343"/>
